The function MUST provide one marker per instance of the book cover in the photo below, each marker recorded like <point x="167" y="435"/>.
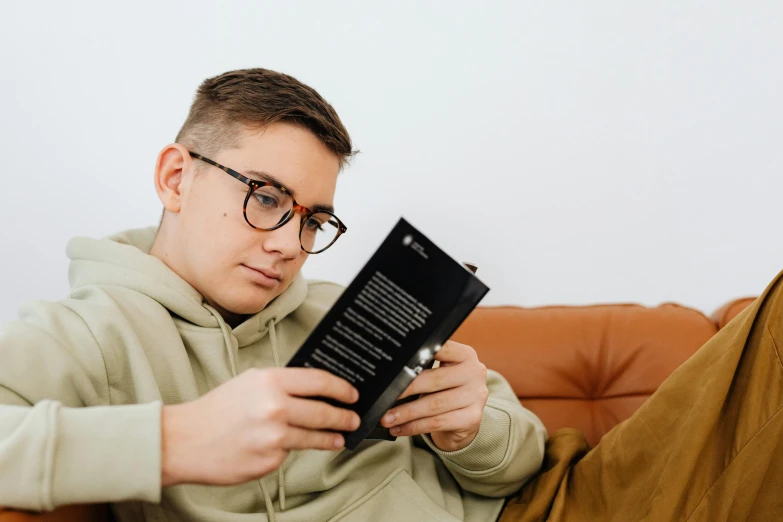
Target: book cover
<point x="386" y="327"/>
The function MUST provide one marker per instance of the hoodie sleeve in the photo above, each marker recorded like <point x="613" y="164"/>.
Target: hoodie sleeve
<point x="60" y="441"/>
<point x="506" y="452"/>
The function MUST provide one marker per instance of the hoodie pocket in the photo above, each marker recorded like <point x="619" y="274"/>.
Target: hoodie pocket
<point x="397" y="499"/>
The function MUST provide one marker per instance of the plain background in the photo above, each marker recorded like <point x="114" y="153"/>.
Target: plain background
<point x="578" y="152"/>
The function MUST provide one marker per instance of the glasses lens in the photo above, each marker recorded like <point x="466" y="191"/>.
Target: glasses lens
<point x="319" y="231"/>
<point x="268" y="206"/>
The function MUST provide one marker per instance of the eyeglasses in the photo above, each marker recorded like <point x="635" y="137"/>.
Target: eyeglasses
<point x="269" y="206"/>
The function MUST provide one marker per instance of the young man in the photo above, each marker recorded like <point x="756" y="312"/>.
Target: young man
<point x="158" y="384"/>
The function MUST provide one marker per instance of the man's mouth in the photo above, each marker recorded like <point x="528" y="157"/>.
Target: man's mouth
<point x="263" y="276"/>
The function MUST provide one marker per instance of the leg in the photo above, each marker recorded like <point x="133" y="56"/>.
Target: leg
<point x="707" y="446"/>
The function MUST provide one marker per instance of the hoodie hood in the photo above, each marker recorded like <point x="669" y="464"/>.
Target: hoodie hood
<point x="123" y="260"/>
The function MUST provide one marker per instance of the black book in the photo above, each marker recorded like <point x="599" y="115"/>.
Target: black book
<point x="390" y="322"/>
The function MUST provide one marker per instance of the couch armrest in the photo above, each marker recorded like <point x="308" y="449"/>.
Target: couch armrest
<point x="723" y="315"/>
<point x="77" y="513"/>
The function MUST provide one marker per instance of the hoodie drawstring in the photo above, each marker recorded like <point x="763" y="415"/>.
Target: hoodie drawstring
<point x="270" y="326"/>
<point x="270" y="507"/>
<point x="226" y="338"/>
<point x="281" y="470"/>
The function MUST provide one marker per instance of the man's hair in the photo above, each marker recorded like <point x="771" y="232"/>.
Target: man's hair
<point x="256" y="98"/>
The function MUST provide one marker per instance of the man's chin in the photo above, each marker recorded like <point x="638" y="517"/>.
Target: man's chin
<point x="246" y="308"/>
<point x="250" y="304"/>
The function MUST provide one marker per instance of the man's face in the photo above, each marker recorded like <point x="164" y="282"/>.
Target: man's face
<point x="239" y="269"/>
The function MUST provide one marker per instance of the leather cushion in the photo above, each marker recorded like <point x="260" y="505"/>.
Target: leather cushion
<point x="585" y="367"/>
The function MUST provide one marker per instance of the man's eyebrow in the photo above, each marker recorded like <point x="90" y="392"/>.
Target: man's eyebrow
<point x="260" y="175"/>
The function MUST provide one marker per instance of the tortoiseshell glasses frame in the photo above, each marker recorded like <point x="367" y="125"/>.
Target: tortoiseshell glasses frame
<point x="305" y="212"/>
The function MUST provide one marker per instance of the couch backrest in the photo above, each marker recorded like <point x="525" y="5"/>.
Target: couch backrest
<point x="585" y="367"/>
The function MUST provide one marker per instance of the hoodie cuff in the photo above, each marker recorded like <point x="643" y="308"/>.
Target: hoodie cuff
<point x="488" y="448"/>
<point x="107" y="454"/>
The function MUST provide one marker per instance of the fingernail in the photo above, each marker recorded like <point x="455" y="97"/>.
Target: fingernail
<point x="338" y="442"/>
<point x="355" y="422"/>
<point x="396" y="430"/>
<point x="355" y="395"/>
<point x="389" y="418"/>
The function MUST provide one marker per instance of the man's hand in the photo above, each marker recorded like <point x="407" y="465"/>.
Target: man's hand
<point x="451" y="410"/>
<point x="246" y="427"/>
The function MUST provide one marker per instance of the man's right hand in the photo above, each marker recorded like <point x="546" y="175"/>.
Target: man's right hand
<point x="244" y="428"/>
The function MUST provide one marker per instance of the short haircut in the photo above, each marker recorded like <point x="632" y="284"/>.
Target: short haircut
<point x="256" y="98"/>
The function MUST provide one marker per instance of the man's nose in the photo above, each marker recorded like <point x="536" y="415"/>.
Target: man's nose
<point x="285" y="239"/>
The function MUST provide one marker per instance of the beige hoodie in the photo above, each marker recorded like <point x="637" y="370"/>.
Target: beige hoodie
<point x="82" y="382"/>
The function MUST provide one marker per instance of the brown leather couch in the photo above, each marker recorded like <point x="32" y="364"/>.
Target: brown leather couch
<point x="586" y="367"/>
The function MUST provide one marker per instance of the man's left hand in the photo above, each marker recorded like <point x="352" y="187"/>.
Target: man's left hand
<point x="454" y="397"/>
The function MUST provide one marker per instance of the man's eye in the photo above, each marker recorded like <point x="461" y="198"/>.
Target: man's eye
<point x="314" y="224"/>
<point x="266" y="200"/>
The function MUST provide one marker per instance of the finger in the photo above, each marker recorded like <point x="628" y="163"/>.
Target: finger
<point x="457" y="374"/>
<point x="428" y="406"/>
<point x="436" y="379"/>
<point x="300" y="439"/>
<point x="453" y="352"/>
<point x="451" y="421"/>
<point x="309" y="382"/>
<point x="313" y="414"/>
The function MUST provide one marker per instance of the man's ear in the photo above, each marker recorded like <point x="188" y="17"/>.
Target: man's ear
<point x="170" y="168"/>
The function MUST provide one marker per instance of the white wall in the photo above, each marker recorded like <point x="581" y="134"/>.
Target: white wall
<point x="579" y="152"/>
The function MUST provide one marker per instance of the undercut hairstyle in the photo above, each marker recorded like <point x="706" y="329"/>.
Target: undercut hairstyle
<point x="256" y="98"/>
